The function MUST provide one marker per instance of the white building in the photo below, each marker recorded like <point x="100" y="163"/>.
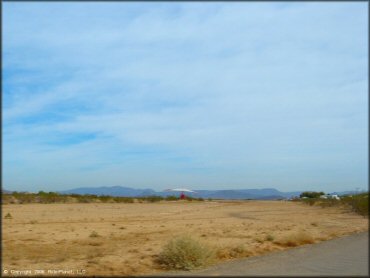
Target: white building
<point x="330" y="197"/>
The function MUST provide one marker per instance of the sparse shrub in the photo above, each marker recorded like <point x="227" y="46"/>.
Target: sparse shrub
<point x="190" y="198"/>
<point x="329" y="203"/>
<point x="104" y="198"/>
<point x="49" y="197"/>
<point x="269" y="238"/>
<point x="127" y="200"/>
<point x="154" y="198"/>
<point x="6" y="198"/>
<point x="296" y="239"/>
<point x="171" y="198"/>
<point x="359" y="203"/>
<point x="24" y="197"/>
<point x="33" y="222"/>
<point x="223" y="254"/>
<point x="94" y="234"/>
<point x="237" y="251"/>
<point x="8" y="216"/>
<point x="310" y="201"/>
<point x="84" y="199"/>
<point x="123" y="200"/>
<point x="185" y="253"/>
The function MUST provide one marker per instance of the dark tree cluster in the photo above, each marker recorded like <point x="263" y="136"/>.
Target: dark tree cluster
<point x="311" y="194"/>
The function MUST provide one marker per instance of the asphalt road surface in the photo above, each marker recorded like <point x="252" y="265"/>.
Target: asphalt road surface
<point x="345" y="256"/>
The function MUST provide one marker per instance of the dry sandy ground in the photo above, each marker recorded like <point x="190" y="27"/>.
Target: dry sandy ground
<point x="130" y="236"/>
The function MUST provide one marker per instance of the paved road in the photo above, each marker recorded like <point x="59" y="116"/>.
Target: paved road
<point x="346" y="256"/>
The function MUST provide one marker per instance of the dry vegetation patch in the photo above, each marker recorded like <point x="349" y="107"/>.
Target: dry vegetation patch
<point x="185" y="253"/>
<point x="295" y="239"/>
<point x="140" y="238"/>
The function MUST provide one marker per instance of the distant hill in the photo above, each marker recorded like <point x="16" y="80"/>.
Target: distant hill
<point x="260" y="194"/>
<point x="254" y="194"/>
<point x="111" y="191"/>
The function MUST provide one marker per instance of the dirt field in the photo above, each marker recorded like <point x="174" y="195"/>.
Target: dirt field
<point x="124" y="239"/>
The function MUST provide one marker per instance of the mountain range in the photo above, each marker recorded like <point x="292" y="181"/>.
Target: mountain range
<point x="264" y="194"/>
<point x="254" y="194"/>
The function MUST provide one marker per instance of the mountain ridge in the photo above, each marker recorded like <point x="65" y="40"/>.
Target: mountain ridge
<point x="265" y="193"/>
<point x="236" y="194"/>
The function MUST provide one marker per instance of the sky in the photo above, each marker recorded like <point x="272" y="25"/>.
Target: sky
<point x="203" y="95"/>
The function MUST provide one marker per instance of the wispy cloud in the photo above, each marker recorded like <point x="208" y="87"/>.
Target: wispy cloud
<point x="198" y="94"/>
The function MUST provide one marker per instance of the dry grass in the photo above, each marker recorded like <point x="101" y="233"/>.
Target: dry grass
<point x="94" y="234"/>
<point x="60" y="236"/>
<point x="295" y="239"/>
<point x="185" y="253"/>
<point x="236" y="251"/>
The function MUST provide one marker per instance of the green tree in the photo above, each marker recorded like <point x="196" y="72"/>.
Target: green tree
<point x="311" y="194"/>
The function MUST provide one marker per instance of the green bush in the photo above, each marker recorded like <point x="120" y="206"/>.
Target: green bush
<point x="185" y="253"/>
<point x="311" y="194"/>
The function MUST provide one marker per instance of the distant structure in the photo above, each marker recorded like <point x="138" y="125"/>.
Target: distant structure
<point x="328" y="196"/>
<point x="182" y="190"/>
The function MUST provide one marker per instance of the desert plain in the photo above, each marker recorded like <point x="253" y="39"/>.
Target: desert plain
<point x="125" y="239"/>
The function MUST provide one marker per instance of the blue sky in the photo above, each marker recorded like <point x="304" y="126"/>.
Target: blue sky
<point x="200" y="95"/>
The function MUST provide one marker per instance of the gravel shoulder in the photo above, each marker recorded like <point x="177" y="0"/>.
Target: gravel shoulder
<point x="345" y="256"/>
